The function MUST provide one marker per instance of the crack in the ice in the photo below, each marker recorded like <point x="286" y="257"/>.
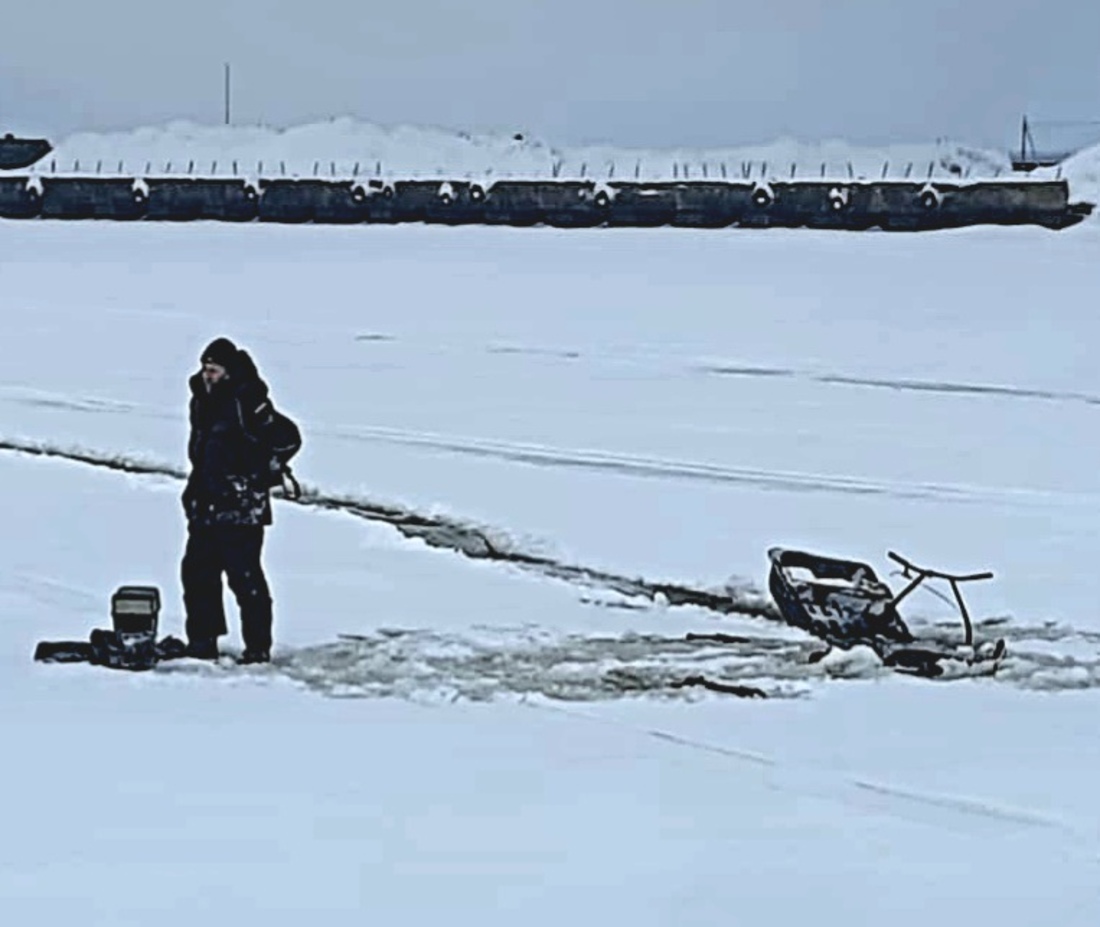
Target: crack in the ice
<point x="817" y="781"/>
<point x="450" y="534"/>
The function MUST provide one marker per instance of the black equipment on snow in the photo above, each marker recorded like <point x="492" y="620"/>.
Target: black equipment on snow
<point x="131" y="644"/>
<point x="134" y="614"/>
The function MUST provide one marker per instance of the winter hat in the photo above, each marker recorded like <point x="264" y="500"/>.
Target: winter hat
<point x="220" y="351"/>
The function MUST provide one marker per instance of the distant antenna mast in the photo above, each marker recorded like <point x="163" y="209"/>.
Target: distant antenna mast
<point x="227" y="93"/>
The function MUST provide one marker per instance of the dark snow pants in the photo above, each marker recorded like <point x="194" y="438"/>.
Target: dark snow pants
<point x="235" y="551"/>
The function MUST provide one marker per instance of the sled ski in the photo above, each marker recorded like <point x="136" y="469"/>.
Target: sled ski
<point x="844" y="603"/>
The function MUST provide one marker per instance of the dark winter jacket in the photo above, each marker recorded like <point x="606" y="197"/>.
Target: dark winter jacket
<point x="233" y="466"/>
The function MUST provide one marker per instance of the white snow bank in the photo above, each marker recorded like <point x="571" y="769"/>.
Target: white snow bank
<point x="1082" y="170"/>
<point x="345" y="147"/>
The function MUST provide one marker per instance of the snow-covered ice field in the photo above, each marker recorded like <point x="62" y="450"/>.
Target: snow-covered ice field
<point x="497" y="745"/>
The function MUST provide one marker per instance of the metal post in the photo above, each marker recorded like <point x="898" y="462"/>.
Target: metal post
<point x="969" y="628"/>
<point x="227" y="93"/>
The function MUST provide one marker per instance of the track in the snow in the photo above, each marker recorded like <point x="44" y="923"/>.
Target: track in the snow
<point x="649" y="467"/>
<point x="991" y="390"/>
<point x="666" y="469"/>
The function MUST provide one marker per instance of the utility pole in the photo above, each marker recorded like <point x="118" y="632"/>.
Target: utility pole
<point x="227" y="93"/>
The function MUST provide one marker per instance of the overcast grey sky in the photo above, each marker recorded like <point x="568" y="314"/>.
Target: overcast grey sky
<point x="643" y="72"/>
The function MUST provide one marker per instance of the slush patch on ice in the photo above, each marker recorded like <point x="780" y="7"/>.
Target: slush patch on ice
<point x="488" y="663"/>
<point x="493" y="663"/>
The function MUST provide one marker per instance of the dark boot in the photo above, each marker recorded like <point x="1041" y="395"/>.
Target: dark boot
<point x="253" y="656"/>
<point x="203" y="648"/>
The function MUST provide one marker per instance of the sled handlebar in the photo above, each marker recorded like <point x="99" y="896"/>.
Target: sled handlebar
<point x="954" y="579"/>
<point x="924" y="571"/>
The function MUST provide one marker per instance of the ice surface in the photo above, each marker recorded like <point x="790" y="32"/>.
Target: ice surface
<point x="488" y="743"/>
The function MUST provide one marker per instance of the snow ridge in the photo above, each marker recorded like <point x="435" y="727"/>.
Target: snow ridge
<point x="345" y="147"/>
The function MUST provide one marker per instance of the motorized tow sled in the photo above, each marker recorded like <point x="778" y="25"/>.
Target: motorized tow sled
<point x="844" y="603"/>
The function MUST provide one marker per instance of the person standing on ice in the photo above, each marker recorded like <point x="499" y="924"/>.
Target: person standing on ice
<point x="237" y="447"/>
